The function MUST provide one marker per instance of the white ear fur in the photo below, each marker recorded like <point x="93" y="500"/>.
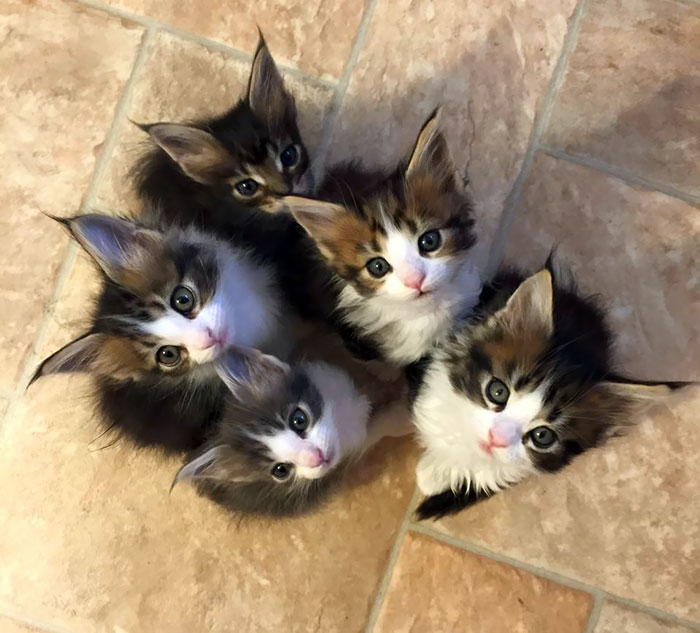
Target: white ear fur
<point x="203" y="466"/>
<point x="531" y="305"/>
<point x="248" y="373"/>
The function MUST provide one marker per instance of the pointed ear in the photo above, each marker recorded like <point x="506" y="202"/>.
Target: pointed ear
<point x="531" y="306"/>
<point x="267" y="96"/>
<point x="250" y="374"/>
<point x="79" y="355"/>
<point x="216" y="464"/>
<point x="646" y="392"/>
<point x="115" y="244"/>
<point x="198" y="153"/>
<point x="431" y="155"/>
<point x="318" y="218"/>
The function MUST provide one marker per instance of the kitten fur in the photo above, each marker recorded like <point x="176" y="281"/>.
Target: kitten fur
<point x="195" y="164"/>
<point x="549" y="350"/>
<point x="151" y="342"/>
<point x="373" y="218"/>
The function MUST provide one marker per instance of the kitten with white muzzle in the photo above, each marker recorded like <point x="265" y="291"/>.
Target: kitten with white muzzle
<point x="522" y="387"/>
<point x="399" y="245"/>
<point x="170" y="302"/>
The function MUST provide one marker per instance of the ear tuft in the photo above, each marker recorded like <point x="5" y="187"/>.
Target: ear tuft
<point x="531" y="306"/>
<point x="267" y="96"/>
<point x="431" y="154"/>
<point x="77" y="356"/>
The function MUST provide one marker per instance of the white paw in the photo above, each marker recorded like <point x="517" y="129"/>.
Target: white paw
<point x="430" y="480"/>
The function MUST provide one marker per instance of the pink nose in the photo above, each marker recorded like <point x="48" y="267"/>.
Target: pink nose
<point x="413" y="280"/>
<point x="311" y="458"/>
<point x="502" y="435"/>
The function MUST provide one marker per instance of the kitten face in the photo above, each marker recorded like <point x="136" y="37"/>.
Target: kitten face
<point x="284" y="429"/>
<point x="171" y="301"/>
<point x="254" y="152"/>
<point x="405" y="241"/>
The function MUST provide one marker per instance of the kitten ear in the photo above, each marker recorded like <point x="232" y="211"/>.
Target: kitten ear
<point x="198" y="153"/>
<point x="646" y="392"/>
<point x="79" y="355"/>
<point x="216" y="463"/>
<point x="249" y="373"/>
<point x="431" y="155"/>
<point x="115" y="244"/>
<point x="318" y="218"/>
<point x="267" y="96"/>
<point x="531" y="307"/>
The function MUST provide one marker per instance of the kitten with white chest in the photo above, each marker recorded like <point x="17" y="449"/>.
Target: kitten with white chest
<point x="399" y="245"/>
<point x="171" y="301"/>
<point x="286" y="434"/>
<point x="521" y="388"/>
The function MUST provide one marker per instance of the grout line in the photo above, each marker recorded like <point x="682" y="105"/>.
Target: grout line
<point x="596" y="592"/>
<point x="594" y="615"/>
<point x="12" y="614"/>
<point x="342" y="87"/>
<point x="541" y="120"/>
<point x="620" y="173"/>
<point x="211" y="44"/>
<point x="391" y="562"/>
<point x="119" y="116"/>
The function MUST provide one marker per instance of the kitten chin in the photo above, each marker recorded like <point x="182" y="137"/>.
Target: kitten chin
<point x="521" y="387"/>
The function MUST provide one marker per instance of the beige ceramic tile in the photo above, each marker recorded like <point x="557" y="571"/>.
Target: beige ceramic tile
<point x="182" y="80"/>
<point x="93" y="542"/>
<point x="64" y="70"/>
<point x="636" y="248"/>
<point x="614" y="618"/>
<point x="487" y="63"/>
<point x="315" y="36"/>
<point x="10" y="625"/>
<point x="631" y="93"/>
<point x="435" y="587"/>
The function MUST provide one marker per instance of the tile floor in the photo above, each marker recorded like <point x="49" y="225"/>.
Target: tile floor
<point x="579" y="123"/>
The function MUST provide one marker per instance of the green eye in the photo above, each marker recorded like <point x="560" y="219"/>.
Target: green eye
<point x="182" y="300"/>
<point x="497" y="392"/>
<point x="543" y="437"/>
<point x="378" y="267"/>
<point x="169" y="356"/>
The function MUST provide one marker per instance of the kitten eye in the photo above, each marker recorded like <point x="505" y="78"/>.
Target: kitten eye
<point x="289" y="156"/>
<point x="169" y="355"/>
<point x="543" y="437"/>
<point x="281" y="471"/>
<point x="298" y="421"/>
<point x="378" y="267"/>
<point x="497" y="392"/>
<point x="430" y="241"/>
<point x="247" y="187"/>
<point x="182" y="300"/>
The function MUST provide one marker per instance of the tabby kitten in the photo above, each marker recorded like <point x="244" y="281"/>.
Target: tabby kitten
<point x="253" y="153"/>
<point x="523" y="387"/>
<point x="399" y="246"/>
<point x="171" y="301"/>
<point x="286" y="434"/>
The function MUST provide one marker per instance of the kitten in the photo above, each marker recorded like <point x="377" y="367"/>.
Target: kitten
<point x="523" y="387"/>
<point x="170" y="302"/>
<point x="285" y="436"/>
<point x="399" y="246"/>
<point x="251" y="154"/>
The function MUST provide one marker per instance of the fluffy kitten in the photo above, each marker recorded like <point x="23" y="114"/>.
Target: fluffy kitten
<point x="523" y="387"/>
<point x="252" y="154"/>
<point x="286" y="434"/>
<point x="399" y="246"/>
<point x="170" y="302"/>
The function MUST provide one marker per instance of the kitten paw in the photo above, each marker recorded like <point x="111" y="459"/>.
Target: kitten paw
<point x="430" y="480"/>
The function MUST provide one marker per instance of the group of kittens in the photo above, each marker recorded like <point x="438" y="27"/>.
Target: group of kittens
<point x="275" y="329"/>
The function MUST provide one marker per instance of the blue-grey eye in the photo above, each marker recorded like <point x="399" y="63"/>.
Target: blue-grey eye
<point x="289" y="156"/>
<point x="247" y="187"/>
<point x="430" y="241"/>
<point x="298" y="420"/>
<point x="378" y="267"/>
<point x="182" y="300"/>
<point x="543" y="437"/>
<point x="281" y="471"/>
<point x="169" y="356"/>
<point x="497" y="392"/>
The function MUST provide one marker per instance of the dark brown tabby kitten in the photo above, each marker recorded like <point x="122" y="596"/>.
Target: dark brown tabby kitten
<point x="399" y="245"/>
<point x="522" y="387"/>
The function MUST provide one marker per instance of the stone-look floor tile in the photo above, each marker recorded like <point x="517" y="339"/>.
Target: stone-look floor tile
<point x="64" y="70"/>
<point x="615" y="618"/>
<point x="315" y="36"/>
<point x="631" y="92"/>
<point x="435" y="587"/>
<point x="10" y="625"/>
<point x="91" y="540"/>
<point x="636" y="248"/>
<point x="181" y="81"/>
<point x="488" y="64"/>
